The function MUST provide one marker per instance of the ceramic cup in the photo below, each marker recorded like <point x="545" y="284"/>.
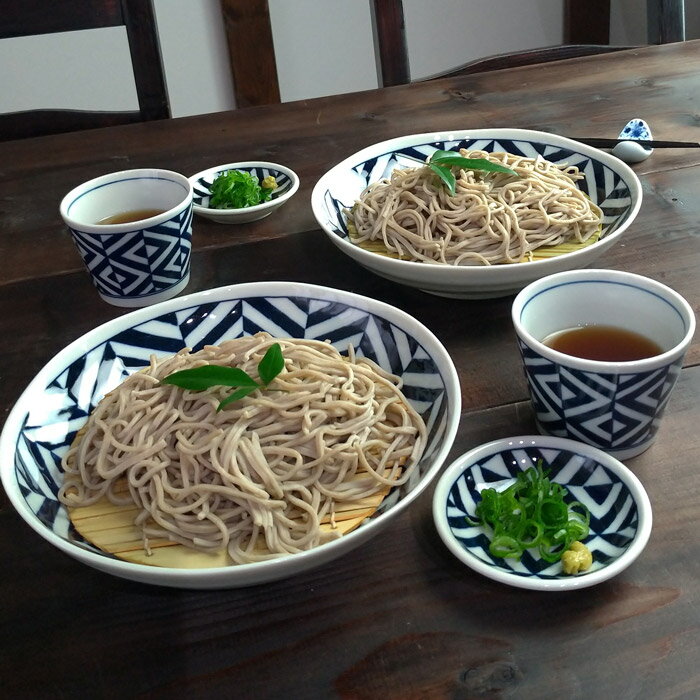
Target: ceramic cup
<point x="615" y="406"/>
<point x="139" y="262"/>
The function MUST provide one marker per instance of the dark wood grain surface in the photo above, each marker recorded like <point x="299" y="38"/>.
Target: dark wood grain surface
<point x="398" y="617"/>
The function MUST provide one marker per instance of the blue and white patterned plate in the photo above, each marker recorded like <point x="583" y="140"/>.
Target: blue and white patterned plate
<point x="620" y="509"/>
<point x="609" y="182"/>
<point x="287" y="185"/>
<point x="47" y="416"/>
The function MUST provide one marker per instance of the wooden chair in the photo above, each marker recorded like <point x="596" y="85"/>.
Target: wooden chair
<point x="589" y="22"/>
<point x="251" y="52"/>
<point x="26" y="18"/>
<point x="665" y="21"/>
<point x="587" y="32"/>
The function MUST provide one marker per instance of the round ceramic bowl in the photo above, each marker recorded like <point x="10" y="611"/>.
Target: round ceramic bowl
<point x="609" y="183"/>
<point x="620" y="509"/>
<point x="287" y="185"/>
<point x="43" y="423"/>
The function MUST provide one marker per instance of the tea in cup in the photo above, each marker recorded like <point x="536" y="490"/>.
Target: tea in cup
<point x="602" y="350"/>
<point x="133" y="229"/>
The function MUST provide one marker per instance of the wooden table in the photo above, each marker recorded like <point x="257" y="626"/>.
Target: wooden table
<point x="398" y="617"/>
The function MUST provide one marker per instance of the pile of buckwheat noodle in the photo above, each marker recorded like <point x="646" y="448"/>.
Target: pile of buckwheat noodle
<point x="492" y="218"/>
<point x="258" y="476"/>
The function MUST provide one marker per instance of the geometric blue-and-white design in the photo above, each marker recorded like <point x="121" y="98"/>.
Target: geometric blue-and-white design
<point x="602" y="184"/>
<point x="611" y="411"/>
<point x="614" y="514"/>
<point x="141" y="262"/>
<point x="50" y="425"/>
<point x="201" y="188"/>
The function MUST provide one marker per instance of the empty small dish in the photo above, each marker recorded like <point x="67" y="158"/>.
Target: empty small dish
<point x="620" y="511"/>
<point x="286" y="180"/>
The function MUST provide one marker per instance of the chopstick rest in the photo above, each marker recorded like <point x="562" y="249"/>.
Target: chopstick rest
<point x="629" y="151"/>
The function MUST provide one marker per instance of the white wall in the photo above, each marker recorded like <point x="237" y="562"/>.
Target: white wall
<point x="76" y="70"/>
<point x="195" y="56"/>
<point x="322" y="47"/>
<point x="92" y="69"/>
<point x="333" y="53"/>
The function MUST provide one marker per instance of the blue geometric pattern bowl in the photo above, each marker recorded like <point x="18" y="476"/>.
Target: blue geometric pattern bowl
<point x="609" y="183"/>
<point x="619" y="506"/>
<point x="287" y="184"/>
<point x="43" y="423"/>
<point x="620" y="413"/>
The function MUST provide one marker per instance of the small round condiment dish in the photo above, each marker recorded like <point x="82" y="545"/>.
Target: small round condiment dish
<point x="607" y="181"/>
<point x="287" y="185"/>
<point x="621" y="515"/>
<point x="43" y="423"/>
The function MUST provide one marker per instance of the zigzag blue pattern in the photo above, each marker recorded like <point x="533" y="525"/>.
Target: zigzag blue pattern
<point x="614" y="516"/>
<point x="50" y="428"/>
<point x="139" y="262"/>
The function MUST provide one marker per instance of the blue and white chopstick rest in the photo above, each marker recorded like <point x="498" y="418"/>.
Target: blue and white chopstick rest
<point x="628" y="150"/>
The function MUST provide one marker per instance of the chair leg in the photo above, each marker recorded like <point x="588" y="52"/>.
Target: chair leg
<point x="587" y="22"/>
<point x="389" y="33"/>
<point x="665" y="21"/>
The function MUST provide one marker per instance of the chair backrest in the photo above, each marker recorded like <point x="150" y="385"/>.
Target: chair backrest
<point x="390" y="47"/>
<point x="586" y="32"/>
<point x="251" y="52"/>
<point x="589" y="22"/>
<point x="25" y="18"/>
<point x="665" y="21"/>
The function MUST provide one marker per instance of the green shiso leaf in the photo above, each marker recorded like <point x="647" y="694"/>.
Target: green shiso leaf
<point x="208" y="376"/>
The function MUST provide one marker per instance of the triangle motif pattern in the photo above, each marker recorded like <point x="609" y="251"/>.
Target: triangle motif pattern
<point x="140" y="262"/>
<point x="606" y="410"/>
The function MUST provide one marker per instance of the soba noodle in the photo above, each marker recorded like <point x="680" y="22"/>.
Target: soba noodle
<point x="257" y="477"/>
<point x="492" y="218"/>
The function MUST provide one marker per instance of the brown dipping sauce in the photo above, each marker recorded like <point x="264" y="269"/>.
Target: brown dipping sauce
<point x="128" y="217"/>
<point x="603" y="343"/>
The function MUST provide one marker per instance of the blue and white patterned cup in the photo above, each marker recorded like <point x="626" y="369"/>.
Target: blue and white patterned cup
<point x="615" y="406"/>
<point x="138" y="262"/>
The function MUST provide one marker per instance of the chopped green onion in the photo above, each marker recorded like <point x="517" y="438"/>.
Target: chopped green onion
<point x="237" y="189"/>
<point x="531" y="513"/>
